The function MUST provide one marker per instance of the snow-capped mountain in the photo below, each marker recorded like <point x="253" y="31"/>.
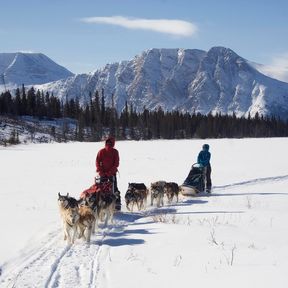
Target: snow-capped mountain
<point x="29" y="69"/>
<point x="184" y="79"/>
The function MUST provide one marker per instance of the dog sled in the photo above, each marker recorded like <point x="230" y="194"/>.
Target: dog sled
<point x="105" y="186"/>
<point x="194" y="182"/>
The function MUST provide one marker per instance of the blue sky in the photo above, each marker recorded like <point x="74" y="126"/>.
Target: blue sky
<point x="84" y="35"/>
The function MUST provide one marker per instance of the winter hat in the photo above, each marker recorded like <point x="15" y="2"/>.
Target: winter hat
<point x="205" y="147"/>
<point x="110" y="141"/>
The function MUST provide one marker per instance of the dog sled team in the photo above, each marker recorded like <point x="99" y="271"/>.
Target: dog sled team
<point x="99" y="202"/>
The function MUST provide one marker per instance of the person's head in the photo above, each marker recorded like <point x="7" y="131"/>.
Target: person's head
<point x="205" y="147"/>
<point x="110" y="142"/>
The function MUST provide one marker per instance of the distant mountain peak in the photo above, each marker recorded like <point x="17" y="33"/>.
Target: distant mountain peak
<point x="30" y="68"/>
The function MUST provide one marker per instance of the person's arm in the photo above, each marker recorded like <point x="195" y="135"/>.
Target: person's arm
<point x="199" y="158"/>
<point x="209" y="157"/>
<point x="115" y="166"/>
<point x="98" y="164"/>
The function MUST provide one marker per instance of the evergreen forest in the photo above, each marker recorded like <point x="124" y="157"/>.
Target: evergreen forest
<point x="95" y="120"/>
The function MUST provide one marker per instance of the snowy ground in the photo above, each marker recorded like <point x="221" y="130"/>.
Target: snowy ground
<point x="237" y="237"/>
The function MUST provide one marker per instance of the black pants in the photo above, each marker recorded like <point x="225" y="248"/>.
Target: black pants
<point x="208" y="182"/>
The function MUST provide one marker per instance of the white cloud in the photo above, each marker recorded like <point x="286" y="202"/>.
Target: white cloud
<point x="168" y="26"/>
<point x="278" y="68"/>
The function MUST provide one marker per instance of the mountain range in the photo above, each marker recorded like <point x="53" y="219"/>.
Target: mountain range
<point x="29" y="69"/>
<point x="214" y="81"/>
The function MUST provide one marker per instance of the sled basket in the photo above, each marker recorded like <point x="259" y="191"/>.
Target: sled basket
<point x="194" y="182"/>
<point x="101" y="186"/>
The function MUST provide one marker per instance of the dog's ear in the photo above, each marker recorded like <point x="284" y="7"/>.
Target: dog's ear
<point x="59" y="194"/>
<point x="67" y="195"/>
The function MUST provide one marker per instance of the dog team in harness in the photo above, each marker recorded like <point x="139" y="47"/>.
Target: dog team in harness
<point x="102" y="199"/>
<point x="107" y="163"/>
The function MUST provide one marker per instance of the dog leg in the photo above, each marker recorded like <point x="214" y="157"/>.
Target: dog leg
<point x="94" y="227"/>
<point x="74" y="234"/>
<point x="145" y="202"/>
<point x="112" y="214"/>
<point x="106" y="218"/>
<point x="138" y="207"/>
<point x="89" y="230"/>
<point x="162" y="200"/>
<point x="69" y="240"/>
<point x="81" y="232"/>
<point x="158" y="201"/>
<point x="64" y="230"/>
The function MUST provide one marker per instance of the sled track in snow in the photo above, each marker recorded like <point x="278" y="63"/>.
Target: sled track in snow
<point x="34" y="257"/>
<point x="77" y="267"/>
<point x="53" y="264"/>
<point x="253" y="182"/>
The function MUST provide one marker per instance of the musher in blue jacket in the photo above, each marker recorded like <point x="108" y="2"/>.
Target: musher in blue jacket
<point x="204" y="159"/>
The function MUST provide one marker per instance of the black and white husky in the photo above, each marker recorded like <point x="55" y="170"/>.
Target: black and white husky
<point x="171" y="189"/>
<point x="136" y="194"/>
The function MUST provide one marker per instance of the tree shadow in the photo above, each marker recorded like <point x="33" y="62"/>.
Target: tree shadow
<point x="249" y="194"/>
<point x="128" y="216"/>
<point x="253" y="181"/>
<point x="191" y="201"/>
<point x="129" y="231"/>
<point x="160" y="210"/>
<point x="210" y="212"/>
<point x="116" y="242"/>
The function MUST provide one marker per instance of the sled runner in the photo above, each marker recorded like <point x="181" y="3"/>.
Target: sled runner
<point x="194" y="183"/>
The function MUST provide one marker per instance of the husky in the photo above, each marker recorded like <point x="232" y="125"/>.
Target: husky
<point x="171" y="189"/>
<point x="157" y="192"/>
<point x="106" y="207"/>
<point x="68" y="207"/>
<point x="86" y="222"/>
<point x="91" y="200"/>
<point x="103" y="205"/>
<point x="136" y="194"/>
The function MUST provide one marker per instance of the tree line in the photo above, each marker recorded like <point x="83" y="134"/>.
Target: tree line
<point x="95" y="119"/>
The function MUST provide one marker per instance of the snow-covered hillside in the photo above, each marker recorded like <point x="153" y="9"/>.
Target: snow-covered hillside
<point x="237" y="237"/>
<point x="191" y="80"/>
<point x="28" y="69"/>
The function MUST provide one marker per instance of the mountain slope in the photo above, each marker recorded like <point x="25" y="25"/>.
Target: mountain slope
<point x="29" y="69"/>
<point x="184" y="79"/>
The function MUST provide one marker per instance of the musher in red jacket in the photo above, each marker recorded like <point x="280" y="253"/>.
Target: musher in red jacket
<point x="107" y="162"/>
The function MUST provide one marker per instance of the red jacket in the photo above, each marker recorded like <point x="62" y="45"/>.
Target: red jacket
<point x="107" y="160"/>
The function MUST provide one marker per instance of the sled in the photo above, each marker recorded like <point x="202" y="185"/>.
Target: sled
<point x="188" y="190"/>
<point x="104" y="185"/>
<point x="194" y="182"/>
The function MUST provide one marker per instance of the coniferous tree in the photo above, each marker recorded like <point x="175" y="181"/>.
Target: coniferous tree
<point x="24" y="101"/>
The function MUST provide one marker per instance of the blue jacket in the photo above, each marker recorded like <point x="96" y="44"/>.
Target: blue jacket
<point x="204" y="158"/>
